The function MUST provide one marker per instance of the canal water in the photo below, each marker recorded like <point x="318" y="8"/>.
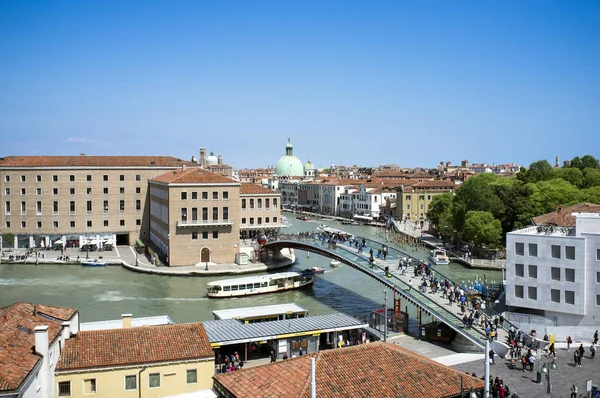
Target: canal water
<point x="102" y="293"/>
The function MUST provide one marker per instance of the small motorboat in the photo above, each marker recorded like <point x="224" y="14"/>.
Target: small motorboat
<point x="93" y="263"/>
<point x="314" y="271"/>
<point x="323" y="227"/>
<point x="335" y="263"/>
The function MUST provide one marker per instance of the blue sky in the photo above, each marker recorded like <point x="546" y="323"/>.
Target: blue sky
<point x="366" y="83"/>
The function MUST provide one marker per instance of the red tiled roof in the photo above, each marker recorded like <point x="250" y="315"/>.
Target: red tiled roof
<point x="435" y="183"/>
<point x="563" y="216"/>
<point x="17" y="341"/>
<point x="135" y="346"/>
<point x="253" y="189"/>
<point x="193" y="175"/>
<point x="366" y="370"/>
<point x="91" y="161"/>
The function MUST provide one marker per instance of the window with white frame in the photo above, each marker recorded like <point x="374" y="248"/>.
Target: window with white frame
<point x="131" y="382"/>
<point x="519" y="291"/>
<point x="555" y="295"/>
<point x="519" y="248"/>
<point x="555" y="273"/>
<point x="533" y="250"/>
<point x="191" y="376"/>
<point x="555" y="251"/>
<point x="532" y="271"/>
<point x="569" y="297"/>
<point x="89" y="386"/>
<point x="64" y="388"/>
<point x="532" y="293"/>
<point x="570" y="252"/>
<point x="570" y="274"/>
<point x="154" y="380"/>
<point x="520" y="270"/>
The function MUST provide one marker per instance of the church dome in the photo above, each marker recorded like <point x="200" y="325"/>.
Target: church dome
<point x="289" y="165"/>
<point x="309" y="166"/>
<point x="212" y="159"/>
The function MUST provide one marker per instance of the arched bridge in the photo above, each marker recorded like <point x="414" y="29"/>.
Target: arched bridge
<point x="349" y="254"/>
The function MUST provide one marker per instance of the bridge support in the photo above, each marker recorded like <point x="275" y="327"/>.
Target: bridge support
<point x="462" y="344"/>
<point x="277" y="255"/>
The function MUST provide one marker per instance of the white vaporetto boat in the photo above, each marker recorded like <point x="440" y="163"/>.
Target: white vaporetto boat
<point x="252" y="285"/>
<point x="439" y="257"/>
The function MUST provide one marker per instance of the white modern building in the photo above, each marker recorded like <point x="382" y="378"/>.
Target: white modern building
<point x="554" y="270"/>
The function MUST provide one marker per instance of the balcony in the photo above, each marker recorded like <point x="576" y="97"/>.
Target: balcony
<point x="203" y="223"/>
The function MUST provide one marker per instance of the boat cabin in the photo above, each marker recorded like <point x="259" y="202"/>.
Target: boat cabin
<point x="263" y="313"/>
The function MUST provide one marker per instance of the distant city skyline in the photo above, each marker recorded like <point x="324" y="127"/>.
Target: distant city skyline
<point x="350" y="82"/>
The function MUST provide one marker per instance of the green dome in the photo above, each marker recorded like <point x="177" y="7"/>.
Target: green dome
<point x="289" y="165"/>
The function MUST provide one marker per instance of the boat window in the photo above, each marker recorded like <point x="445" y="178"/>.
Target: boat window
<point x="234" y="288"/>
<point x="226" y="288"/>
<point x="256" y="285"/>
<point x="263" y="284"/>
<point x="242" y="287"/>
<point x="273" y="282"/>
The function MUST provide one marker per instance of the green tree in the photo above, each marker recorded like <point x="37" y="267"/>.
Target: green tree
<point x="481" y="228"/>
<point x="8" y="239"/>
<point x="550" y="194"/>
<point x="591" y="177"/>
<point x="591" y="195"/>
<point x="537" y="171"/>
<point x="570" y="174"/>
<point x="478" y="193"/>
<point x="441" y="216"/>
<point x="589" y="161"/>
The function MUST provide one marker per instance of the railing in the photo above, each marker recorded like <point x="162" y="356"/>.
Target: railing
<point x="199" y="223"/>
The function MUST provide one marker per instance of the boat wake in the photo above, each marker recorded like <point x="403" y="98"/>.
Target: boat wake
<point x="115" y="295"/>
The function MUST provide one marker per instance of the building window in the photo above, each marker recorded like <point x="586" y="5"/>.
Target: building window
<point x="251" y="220"/>
<point x="88" y="178"/>
<point x="23" y="224"/>
<point x="105" y="177"/>
<point x="215" y="195"/>
<point x="532" y="293"/>
<point x="570" y="274"/>
<point x="7" y="224"/>
<point x="194" y="195"/>
<point x="71" y="178"/>
<point x="519" y="291"/>
<point x="64" y="388"/>
<point x="597" y="277"/>
<point x="184" y="195"/>
<point x="598" y="300"/>
<point x="519" y="270"/>
<point x="532" y="271"/>
<point x="88" y="191"/>
<point x="259" y="220"/>
<point x="569" y="297"/>
<point x="204" y="195"/>
<point x="89" y="224"/>
<point x="89" y="207"/>
<point x="89" y="386"/>
<point x="138" y="190"/>
<point x="533" y="250"/>
<point x="205" y="214"/>
<point x="138" y="177"/>
<point x="38" y="191"/>
<point x="266" y="220"/>
<point x="267" y="204"/>
<point x="244" y="205"/>
<point x="105" y="206"/>
<point x="215" y="234"/>
<point x="71" y="191"/>
<point x="225" y="213"/>
<point x="122" y="190"/>
<point x="407" y="197"/>
<point x="23" y="191"/>
<point x="519" y="248"/>
<point x="138" y="205"/>
<point x="154" y="380"/>
<point x="122" y="223"/>
<point x="597" y="254"/>
<point x="39" y="224"/>
<point x="72" y="224"/>
<point x="191" y="376"/>
<point x="105" y="191"/>
<point x="122" y="177"/>
<point x="215" y="213"/>
<point x="274" y="220"/>
<point x="555" y="251"/>
<point x="23" y="178"/>
<point x="106" y="223"/>
<point x="555" y="295"/>
<point x="54" y="224"/>
<point x="7" y="208"/>
<point x="194" y="235"/>
<point x="244" y="222"/>
<point x="55" y="206"/>
<point x="570" y="252"/>
<point x="138" y="222"/>
<point x="555" y="273"/>
<point x="121" y="205"/>
<point x="131" y="382"/>
<point x="38" y="208"/>
<point x="275" y="203"/>
<point x="225" y="195"/>
<point x="205" y="235"/>
<point x="251" y="204"/>
<point x="183" y="213"/>
<point x="259" y="204"/>
<point x="54" y="191"/>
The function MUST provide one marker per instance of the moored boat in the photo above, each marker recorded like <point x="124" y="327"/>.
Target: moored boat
<point x="313" y="271"/>
<point x="93" y="263"/>
<point x="439" y="257"/>
<point x="335" y="263"/>
<point x="261" y="284"/>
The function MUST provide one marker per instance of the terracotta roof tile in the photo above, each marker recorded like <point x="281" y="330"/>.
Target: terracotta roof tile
<point x="366" y="370"/>
<point x="91" y="161"/>
<point x="17" y="341"/>
<point x="134" y="346"/>
<point x="435" y="183"/>
<point x="566" y="218"/>
<point x="253" y="189"/>
<point x="193" y="175"/>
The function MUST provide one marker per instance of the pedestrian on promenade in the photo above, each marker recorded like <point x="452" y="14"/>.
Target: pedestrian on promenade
<point x="409" y="284"/>
<point x="574" y="391"/>
<point x="577" y="358"/>
<point x="593" y="350"/>
<point x="581" y="351"/>
<point x="596" y="337"/>
<point x="569" y="342"/>
<point x="551" y="350"/>
<point x="491" y="355"/>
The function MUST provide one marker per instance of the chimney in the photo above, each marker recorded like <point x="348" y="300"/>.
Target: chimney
<point x="41" y="348"/>
<point x="34" y="309"/>
<point x="182" y="166"/>
<point x="220" y="159"/>
<point x="560" y="216"/>
<point x="126" y="321"/>
<point x="66" y="333"/>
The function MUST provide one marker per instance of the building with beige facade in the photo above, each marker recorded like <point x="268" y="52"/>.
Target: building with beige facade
<point x="149" y="362"/>
<point x="413" y="200"/>
<point x="73" y="198"/>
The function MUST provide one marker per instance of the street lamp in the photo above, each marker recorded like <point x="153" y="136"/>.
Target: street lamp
<point x="546" y="369"/>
